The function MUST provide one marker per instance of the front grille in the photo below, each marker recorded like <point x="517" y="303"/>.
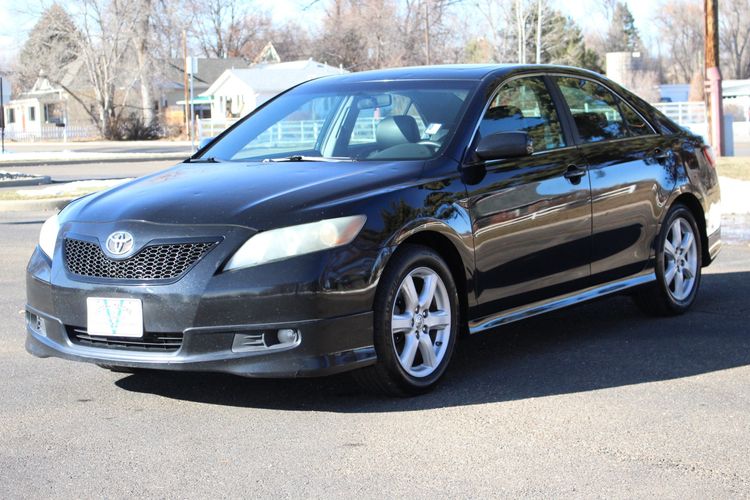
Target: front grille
<point x="154" y="262"/>
<point x="161" y="342"/>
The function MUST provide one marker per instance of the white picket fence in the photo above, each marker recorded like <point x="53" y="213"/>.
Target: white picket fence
<point x="52" y="133"/>
<point x="289" y="132"/>
<point x="684" y="113"/>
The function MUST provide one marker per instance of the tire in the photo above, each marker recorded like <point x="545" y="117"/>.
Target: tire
<point x="678" y="266"/>
<point x="414" y="333"/>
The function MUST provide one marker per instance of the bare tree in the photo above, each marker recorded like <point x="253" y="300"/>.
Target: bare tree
<point x="734" y="37"/>
<point x="681" y="23"/>
<point x="104" y="42"/>
<point x="228" y="28"/>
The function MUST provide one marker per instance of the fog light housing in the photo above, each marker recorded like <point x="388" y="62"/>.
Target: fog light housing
<point x="36" y="323"/>
<point x="288" y="336"/>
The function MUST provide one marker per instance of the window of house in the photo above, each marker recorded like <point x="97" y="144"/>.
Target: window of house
<point x="32" y="114"/>
<point x="53" y="112"/>
<point x="525" y="105"/>
<point x="11" y="115"/>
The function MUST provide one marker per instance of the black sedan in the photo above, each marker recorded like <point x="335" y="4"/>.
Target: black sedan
<point x="363" y="221"/>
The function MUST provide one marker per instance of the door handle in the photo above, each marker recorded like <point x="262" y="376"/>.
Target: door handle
<point x="574" y="174"/>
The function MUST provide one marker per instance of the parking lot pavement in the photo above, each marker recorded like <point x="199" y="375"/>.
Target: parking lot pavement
<point x="594" y="401"/>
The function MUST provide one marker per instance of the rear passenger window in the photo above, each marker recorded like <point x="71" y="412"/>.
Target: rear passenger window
<point x="594" y="110"/>
<point x="636" y="124"/>
<point x="525" y="105"/>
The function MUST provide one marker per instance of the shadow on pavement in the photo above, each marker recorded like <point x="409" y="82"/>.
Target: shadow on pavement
<point x="609" y="343"/>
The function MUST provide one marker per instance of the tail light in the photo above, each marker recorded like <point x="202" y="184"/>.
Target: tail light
<point x="709" y="154"/>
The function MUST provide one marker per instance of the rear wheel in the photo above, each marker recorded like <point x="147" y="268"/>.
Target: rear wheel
<point x="678" y="266"/>
<point x="416" y="318"/>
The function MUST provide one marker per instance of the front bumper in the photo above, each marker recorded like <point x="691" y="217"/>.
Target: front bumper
<point x="326" y="296"/>
<point x="326" y="347"/>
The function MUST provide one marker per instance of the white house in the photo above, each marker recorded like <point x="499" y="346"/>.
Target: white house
<point x="239" y="91"/>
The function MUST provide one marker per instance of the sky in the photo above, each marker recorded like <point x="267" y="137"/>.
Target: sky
<point x="17" y="18"/>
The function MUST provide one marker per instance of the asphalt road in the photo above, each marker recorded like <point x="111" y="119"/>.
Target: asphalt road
<point x="597" y="401"/>
<point x="93" y="170"/>
<point x="101" y="147"/>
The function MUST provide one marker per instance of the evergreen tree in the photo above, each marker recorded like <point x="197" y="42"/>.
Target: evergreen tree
<point x="563" y="43"/>
<point x="51" y="46"/>
<point x="623" y="36"/>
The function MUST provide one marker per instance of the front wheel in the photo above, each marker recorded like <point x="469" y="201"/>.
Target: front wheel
<point x="678" y="266"/>
<point x="416" y="323"/>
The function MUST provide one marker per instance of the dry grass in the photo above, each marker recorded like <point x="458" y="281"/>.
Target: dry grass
<point x="736" y="167"/>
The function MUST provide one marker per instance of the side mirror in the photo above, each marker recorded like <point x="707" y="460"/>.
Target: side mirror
<point x="204" y="142"/>
<point x="504" y="145"/>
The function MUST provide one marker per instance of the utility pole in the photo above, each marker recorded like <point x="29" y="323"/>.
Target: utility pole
<point x="427" y="30"/>
<point x="185" y="82"/>
<point x="2" y="117"/>
<point x="713" y="76"/>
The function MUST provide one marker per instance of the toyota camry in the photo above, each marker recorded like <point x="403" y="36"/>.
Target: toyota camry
<point x="365" y="221"/>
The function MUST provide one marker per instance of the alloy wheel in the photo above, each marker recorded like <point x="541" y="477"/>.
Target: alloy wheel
<point x="680" y="259"/>
<point x="421" y="322"/>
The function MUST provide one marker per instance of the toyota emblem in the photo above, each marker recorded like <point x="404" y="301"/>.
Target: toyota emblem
<point x="119" y="243"/>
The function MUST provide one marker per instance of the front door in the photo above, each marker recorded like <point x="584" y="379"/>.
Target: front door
<point x="531" y="218"/>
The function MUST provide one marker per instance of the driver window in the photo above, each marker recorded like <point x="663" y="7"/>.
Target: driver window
<point x="525" y="105"/>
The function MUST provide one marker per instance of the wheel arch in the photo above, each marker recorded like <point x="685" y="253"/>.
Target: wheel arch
<point x="450" y="254"/>
<point x="691" y="202"/>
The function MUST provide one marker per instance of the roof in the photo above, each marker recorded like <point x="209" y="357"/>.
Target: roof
<point x="275" y="77"/>
<point x="473" y="72"/>
<point x="209" y="69"/>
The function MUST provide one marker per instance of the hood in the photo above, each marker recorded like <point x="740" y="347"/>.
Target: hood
<point x="255" y="195"/>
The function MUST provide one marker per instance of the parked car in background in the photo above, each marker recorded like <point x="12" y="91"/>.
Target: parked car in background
<point x="363" y="221"/>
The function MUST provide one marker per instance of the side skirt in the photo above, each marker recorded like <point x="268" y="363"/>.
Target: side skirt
<point x="547" y="305"/>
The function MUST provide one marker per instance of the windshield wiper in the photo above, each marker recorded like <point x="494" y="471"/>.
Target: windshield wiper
<point x="304" y="158"/>
<point x="210" y="159"/>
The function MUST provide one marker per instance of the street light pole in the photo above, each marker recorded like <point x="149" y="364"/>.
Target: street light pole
<point x="713" y="75"/>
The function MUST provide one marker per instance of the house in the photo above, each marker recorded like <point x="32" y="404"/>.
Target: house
<point x="49" y="111"/>
<point x="44" y="111"/>
<point x="239" y="91"/>
<point x="170" y="85"/>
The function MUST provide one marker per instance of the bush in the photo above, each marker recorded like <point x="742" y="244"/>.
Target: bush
<point x="133" y="128"/>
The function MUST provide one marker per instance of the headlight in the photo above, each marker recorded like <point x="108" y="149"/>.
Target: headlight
<point x="48" y="235"/>
<point x="286" y="242"/>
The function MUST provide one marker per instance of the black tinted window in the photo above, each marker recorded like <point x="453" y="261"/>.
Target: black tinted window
<point x="525" y="105"/>
<point x="594" y="110"/>
<point x="636" y="124"/>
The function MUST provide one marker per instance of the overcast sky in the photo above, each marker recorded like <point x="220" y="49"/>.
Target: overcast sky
<point x="17" y="18"/>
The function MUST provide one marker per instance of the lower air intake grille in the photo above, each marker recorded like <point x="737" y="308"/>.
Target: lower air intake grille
<point x="160" y="342"/>
<point x="154" y="262"/>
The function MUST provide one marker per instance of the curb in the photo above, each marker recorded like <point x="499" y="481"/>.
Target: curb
<point x="34" y="205"/>
<point x="36" y="181"/>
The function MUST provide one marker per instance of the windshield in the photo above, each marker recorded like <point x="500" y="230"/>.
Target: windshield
<point x="404" y="120"/>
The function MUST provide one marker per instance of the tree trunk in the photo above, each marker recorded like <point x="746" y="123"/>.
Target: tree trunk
<point x="142" y="54"/>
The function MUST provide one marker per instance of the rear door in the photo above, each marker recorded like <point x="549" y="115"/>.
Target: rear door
<point x="531" y="216"/>
<point x="630" y="178"/>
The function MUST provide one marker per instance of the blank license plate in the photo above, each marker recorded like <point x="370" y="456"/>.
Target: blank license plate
<point x="114" y="317"/>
